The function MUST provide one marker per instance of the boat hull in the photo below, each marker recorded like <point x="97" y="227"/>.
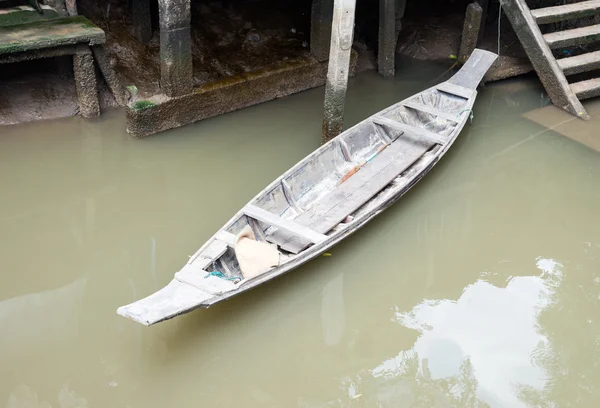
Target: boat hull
<point x="182" y="296"/>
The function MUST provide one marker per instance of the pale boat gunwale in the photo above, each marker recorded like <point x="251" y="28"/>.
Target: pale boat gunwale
<point x="336" y="236"/>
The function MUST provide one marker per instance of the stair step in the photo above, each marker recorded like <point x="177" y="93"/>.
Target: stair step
<point x="580" y="63"/>
<point x="554" y="14"/>
<point x="576" y="36"/>
<point x="586" y="89"/>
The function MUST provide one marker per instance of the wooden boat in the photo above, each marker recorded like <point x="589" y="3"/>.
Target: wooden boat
<point x="324" y="198"/>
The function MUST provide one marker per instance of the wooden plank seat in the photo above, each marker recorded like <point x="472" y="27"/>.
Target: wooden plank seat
<point x="292" y="227"/>
<point x="402" y="127"/>
<point x="72" y="35"/>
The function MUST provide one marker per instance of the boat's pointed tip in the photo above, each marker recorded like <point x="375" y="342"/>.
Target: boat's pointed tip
<point x="174" y="299"/>
<point x="126" y="312"/>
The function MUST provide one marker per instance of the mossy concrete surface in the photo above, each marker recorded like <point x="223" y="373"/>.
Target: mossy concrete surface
<point x="227" y="95"/>
<point x="50" y="33"/>
<point x="25" y="14"/>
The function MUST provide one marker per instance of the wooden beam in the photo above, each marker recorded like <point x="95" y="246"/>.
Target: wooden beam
<point x="587" y="89"/>
<point x="226" y="237"/>
<point x="420" y="132"/>
<point x="576" y="36"/>
<point x="431" y="110"/>
<point x="281" y="223"/>
<point x="455" y="90"/>
<point x="572" y="11"/>
<point x="342" y="35"/>
<point x="580" y="63"/>
<point x="387" y="38"/>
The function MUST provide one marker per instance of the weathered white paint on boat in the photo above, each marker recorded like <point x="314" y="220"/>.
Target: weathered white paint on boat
<point x="314" y="199"/>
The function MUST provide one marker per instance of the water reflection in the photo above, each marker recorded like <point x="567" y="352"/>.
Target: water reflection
<point x="480" y="346"/>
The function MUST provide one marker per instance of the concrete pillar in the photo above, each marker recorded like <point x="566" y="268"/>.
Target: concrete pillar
<point x="320" y="28"/>
<point x="110" y="75"/>
<point x="470" y="32"/>
<point x="387" y="37"/>
<point x="339" y="64"/>
<point x="142" y="20"/>
<point x="85" y="82"/>
<point x="175" y="47"/>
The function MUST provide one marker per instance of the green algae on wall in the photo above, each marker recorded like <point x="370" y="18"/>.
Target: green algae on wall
<point x="25" y="14"/>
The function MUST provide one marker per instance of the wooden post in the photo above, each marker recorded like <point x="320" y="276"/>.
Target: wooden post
<point x="387" y="37"/>
<point x="320" y="28"/>
<point x="470" y="32"/>
<point x="142" y="20"/>
<point x="342" y="34"/>
<point x="175" y="47"/>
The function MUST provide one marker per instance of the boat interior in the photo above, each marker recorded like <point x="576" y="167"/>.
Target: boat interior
<point x="343" y="180"/>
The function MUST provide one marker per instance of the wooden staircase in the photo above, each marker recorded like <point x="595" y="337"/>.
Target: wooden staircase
<point x="551" y="71"/>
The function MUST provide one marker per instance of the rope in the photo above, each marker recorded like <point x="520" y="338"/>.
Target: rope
<point x="499" y="19"/>
<point x="221" y="275"/>
<point x="470" y="114"/>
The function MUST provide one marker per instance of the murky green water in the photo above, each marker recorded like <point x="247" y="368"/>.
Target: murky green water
<point x="479" y="288"/>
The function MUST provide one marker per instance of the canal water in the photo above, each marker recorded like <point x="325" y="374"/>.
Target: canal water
<point x="479" y="288"/>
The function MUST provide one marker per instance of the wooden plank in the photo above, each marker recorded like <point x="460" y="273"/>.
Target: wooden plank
<point x="386" y="134"/>
<point x="455" y="90"/>
<point x="587" y="89"/>
<point x="356" y="191"/>
<point x="541" y="57"/>
<point x="175" y="298"/>
<point x="554" y="14"/>
<point x="257" y="230"/>
<point x="580" y="63"/>
<point x="197" y="277"/>
<point x="226" y="237"/>
<point x="431" y="110"/>
<point x="216" y="249"/>
<point x="202" y="262"/>
<point x="345" y="149"/>
<point x="576" y="36"/>
<point x="474" y="69"/>
<point x="289" y="196"/>
<point x="278" y="222"/>
<point x="420" y="132"/>
<point x="50" y="33"/>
